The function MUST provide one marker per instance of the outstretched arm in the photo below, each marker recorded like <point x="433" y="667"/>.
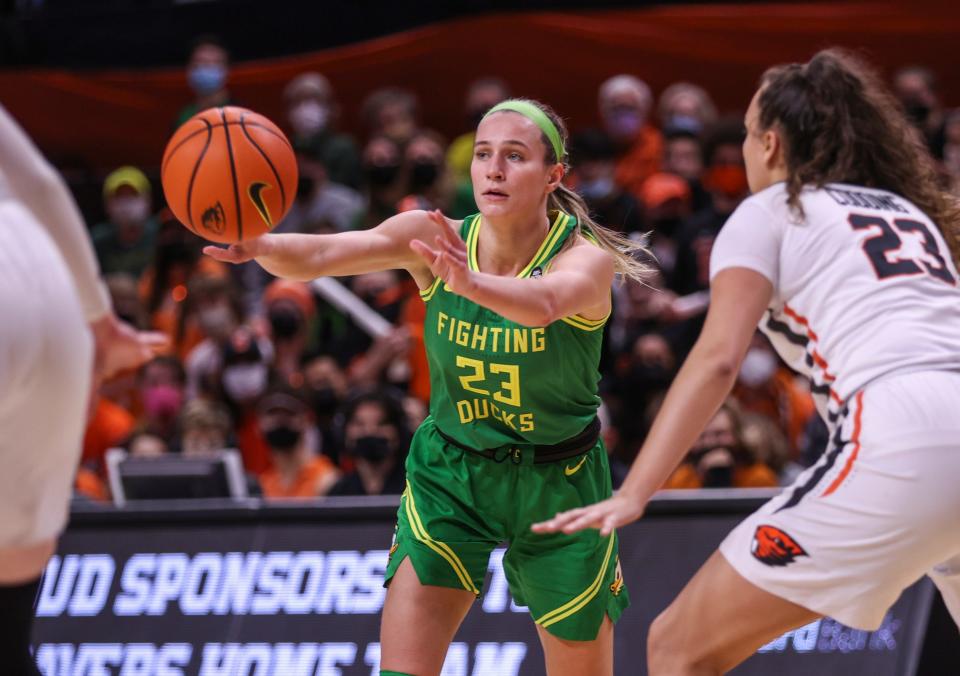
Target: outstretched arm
<point x="738" y="299"/>
<point x="306" y="257"/>
<point x="578" y="282"/>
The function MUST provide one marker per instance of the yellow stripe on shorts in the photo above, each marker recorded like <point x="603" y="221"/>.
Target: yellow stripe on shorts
<point x="573" y="606"/>
<point x="440" y="548"/>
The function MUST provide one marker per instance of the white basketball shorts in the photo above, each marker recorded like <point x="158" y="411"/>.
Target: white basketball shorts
<point x="46" y="357"/>
<point x="878" y="511"/>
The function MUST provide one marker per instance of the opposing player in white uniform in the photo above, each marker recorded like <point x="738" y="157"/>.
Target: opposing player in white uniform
<point x="839" y="257"/>
<point x="58" y="337"/>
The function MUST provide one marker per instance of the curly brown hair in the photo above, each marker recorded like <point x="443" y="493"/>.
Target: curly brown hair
<point x="840" y="124"/>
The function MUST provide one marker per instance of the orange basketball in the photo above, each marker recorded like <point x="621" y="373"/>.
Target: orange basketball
<point x="229" y="174"/>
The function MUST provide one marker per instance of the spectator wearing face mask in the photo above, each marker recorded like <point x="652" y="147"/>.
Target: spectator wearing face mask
<point x="320" y="202"/>
<point x="243" y="380"/>
<point x="382" y="158"/>
<point x="624" y="104"/>
<point x="392" y="112"/>
<point x="683" y="156"/>
<point x="325" y="388"/>
<point x="161" y="383"/>
<point x="666" y="201"/>
<point x="208" y="68"/>
<point x="720" y="459"/>
<point x="916" y="88"/>
<point x="766" y="388"/>
<point x="594" y="156"/>
<point x="312" y="112"/>
<point x="290" y="308"/>
<point x="375" y="438"/>
<point x="125" y="241"/>
<point x="214" y="305"/>
<point x="286" y="423"/>
<point x="688" y="107"/>
<point x="428" y="185"/>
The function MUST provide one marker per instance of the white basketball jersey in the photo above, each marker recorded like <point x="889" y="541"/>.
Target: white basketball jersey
<point x="864" y="285"/>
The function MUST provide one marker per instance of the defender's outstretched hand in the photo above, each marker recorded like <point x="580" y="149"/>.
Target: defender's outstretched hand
<point x="448" y="260"/>
<point x="120" y="347"/>
<point x="607" y="515"/>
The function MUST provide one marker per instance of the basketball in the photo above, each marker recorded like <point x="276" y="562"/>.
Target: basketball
<point x="229" y="174"/>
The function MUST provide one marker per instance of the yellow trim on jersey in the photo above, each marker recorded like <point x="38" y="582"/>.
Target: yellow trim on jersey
<point x="473" y="234"/>
<point x="575" y="605"/>
<point x="439" y="547"/>
<point x="585" y="324"/>
<point x="429" y="292"/>
<point x="554" y="234"/>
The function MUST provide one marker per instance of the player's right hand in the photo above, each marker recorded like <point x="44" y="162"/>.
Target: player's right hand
<point x="606" y="516"/>
<point x="241" y="252"/>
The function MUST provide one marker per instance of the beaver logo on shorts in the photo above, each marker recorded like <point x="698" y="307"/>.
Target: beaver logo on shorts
<point x="773" y="547"/>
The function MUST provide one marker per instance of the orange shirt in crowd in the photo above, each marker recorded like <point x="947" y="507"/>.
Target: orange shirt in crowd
<point x="109" y="426"/>
<point x="643" y="159"/>
<point x="785" y="403"/>
<point x="756" y="475"/>
<point x="412" y="316"/>
<point x="314" y="478"/>
<point x="90" y="485"/>
<point x="253" y="447"/>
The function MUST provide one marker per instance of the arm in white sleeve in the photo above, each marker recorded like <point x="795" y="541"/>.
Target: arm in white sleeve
<point x="38" y="186"/>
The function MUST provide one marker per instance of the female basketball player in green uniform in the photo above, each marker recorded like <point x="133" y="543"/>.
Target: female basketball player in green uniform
<point x="516" y="297"/>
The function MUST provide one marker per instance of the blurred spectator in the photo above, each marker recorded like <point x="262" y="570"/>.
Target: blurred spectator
<point x="312" y="111"/>
<point x="290" y="308"/>
<point x="321" y="205"/>
<point x="611" y="441"/>
<point x="325" y="388"/>
<point x="284" y="419"/>
<point x="624" y="105"/>
<point x="146" y="445"/>
<point x="204" y="428"/>
<point x="916" y="88"/>
<point x="951" y="149"/>
<point x="243" y="380"/>
<point x="382" y="159"/>
<point x="392" y="112"/>
<point x="176" y="262"/>
<point x="726" y="181"/>
<point x="666" y="201"/>
<point x="90" y="486"/>
<point x="126" y="300"/>
<point x="766" y="442"/>
<point x="428" y="185"/>
<point x="688" y="107"/>
<point x="162" y="381"/>
<point x="767" y="388"/>
<point x="719" y="458"/>
<point x="214" y="304"/>
<point x="482" y="95"/>
<point x="594" y="156"/>
<point x="125" y="241"/>
<point x="110" y="426"/>
<point x="208" y="68"/>
<point x="683" y="156"/>
<point x="375" y="437"/>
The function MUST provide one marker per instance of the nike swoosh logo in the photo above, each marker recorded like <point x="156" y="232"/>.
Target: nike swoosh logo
<point x="570" y="471"/>
<point x="254" y="191"/>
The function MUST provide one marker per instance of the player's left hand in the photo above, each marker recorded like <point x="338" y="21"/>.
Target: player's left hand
<point x="120" y="347"/>
<point x="448" y="260"/>
<point x="607" y="515"/>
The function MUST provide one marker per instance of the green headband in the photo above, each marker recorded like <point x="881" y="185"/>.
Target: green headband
<point x="538" y="117"/>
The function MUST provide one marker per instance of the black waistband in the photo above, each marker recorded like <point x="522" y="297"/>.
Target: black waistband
<point x="569" y="448"/>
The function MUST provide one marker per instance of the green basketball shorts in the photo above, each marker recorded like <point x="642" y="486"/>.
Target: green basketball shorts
<point x="458" y="506"/>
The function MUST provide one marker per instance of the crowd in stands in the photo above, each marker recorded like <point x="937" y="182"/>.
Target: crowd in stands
<point x="316" y="406"/>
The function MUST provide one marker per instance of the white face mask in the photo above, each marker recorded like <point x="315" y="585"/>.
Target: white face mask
<point x="309" y="117"/>
<point x="245" y="382"/>
<point x="757" y="368"/>
<point x="128" y="210"/>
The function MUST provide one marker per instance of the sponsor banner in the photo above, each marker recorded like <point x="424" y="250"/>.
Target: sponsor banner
<point x="293" y="597"/>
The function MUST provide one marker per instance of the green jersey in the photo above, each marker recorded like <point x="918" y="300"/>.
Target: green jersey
<point x="495" y="382"/>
